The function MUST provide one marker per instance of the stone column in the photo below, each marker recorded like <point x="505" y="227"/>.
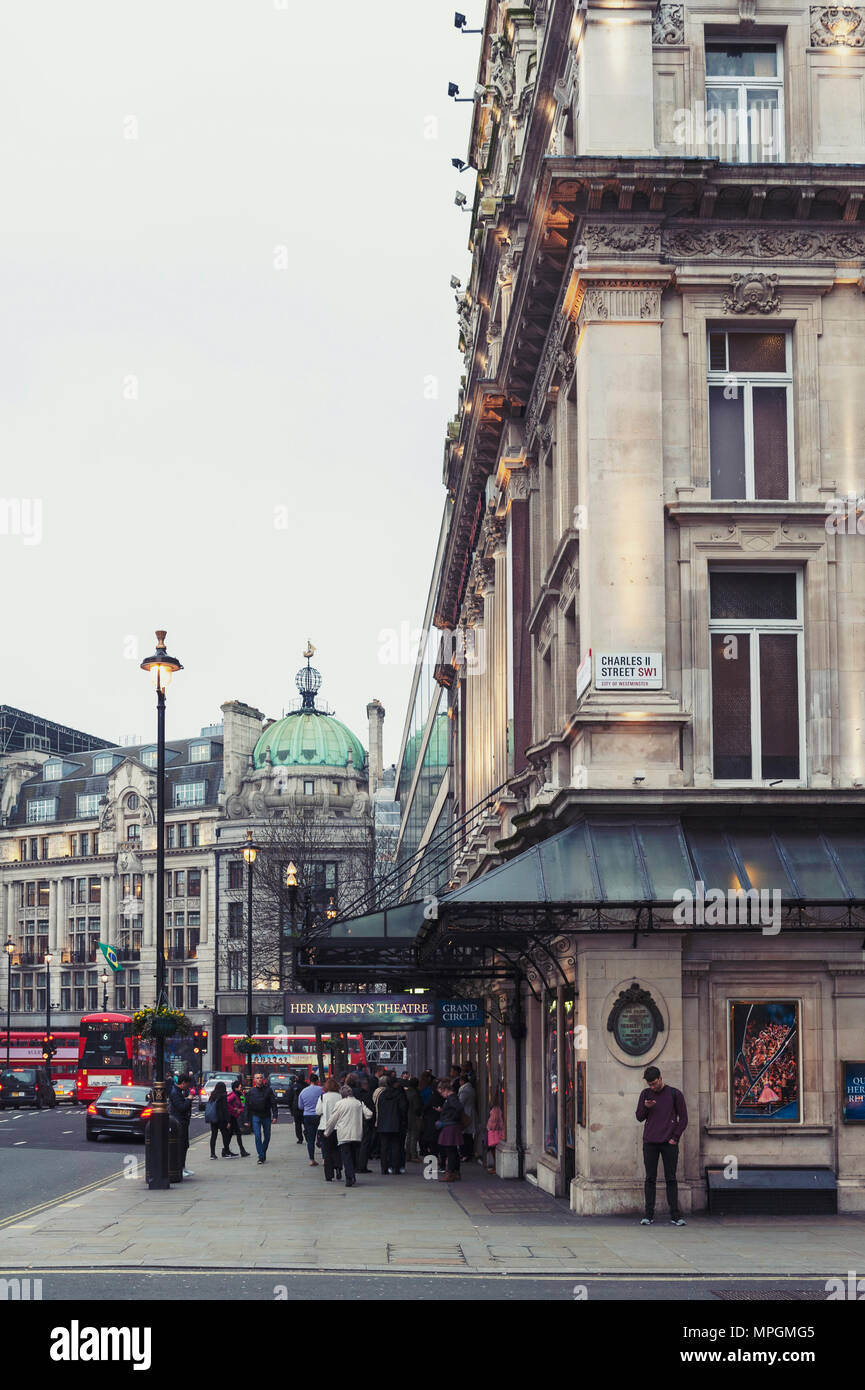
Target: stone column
<point x="149" y="909"/>
<point x="205" y="903"/>
<point x="112" y="911"/>
<point x="54" y="888"/>
<point x="617" y="81"/>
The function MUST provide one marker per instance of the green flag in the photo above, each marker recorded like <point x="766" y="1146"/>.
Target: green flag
<point x="110" y="955"/>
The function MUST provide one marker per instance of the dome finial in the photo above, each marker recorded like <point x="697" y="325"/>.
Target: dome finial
<point x="308" y="681"/>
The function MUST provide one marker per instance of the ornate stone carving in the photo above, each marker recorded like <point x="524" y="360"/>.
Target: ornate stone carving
<point x="753" y="293"/>
<point x="837" y="25"/>
<point x="668" y="26"/>
<point x="502" y="72"/>
<point x="506" y="266"/>
<point x="518" y="485"/>
<point x="620" y="299"/>
<point x="762" y="243"/>
<point x="627" y="237"/>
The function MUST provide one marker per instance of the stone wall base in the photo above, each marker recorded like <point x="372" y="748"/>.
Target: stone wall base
<point x="624" y="1197"/>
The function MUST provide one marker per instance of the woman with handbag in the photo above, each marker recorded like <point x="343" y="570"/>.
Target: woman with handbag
<point x="235" y="1104"/>
<point x="216" y="1115"/>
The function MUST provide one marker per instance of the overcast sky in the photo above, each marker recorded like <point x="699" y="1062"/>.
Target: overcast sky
<point x="226" y="247"/>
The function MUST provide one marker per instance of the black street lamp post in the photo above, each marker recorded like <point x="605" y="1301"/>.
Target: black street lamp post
<point x="104" y="978"/>
<point x="249" y="853"/>
<point x="48" y="1046"/>
<point x="9" y="948"/>
<point x="161" y="667"/>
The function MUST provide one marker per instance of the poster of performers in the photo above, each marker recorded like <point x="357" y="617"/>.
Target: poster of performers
<point x="764" y="1050"/>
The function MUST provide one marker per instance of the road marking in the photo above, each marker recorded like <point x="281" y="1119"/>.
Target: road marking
<point x="18" y="1143"/>
<point x="68" y="1131"/>
<point x="64" y="1197"/>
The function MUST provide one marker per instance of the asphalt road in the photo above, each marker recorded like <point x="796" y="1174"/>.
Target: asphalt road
<point x="45" y="1155"/>
<point x="261" y="1286"/>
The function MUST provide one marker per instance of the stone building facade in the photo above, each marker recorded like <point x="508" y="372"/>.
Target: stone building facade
<point x="656" y="528"/>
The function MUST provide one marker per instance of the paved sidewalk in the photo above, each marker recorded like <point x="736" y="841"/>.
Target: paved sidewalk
<point x="283" y="1215"/>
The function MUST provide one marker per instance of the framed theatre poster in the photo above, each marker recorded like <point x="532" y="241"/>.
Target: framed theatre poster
<point x="764" y="1060"/>
<point x="853" y="1092"/>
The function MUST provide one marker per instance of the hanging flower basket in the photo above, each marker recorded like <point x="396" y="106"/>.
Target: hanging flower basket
<point x="247" y="1046"/>
<point x="160" y="1023"/>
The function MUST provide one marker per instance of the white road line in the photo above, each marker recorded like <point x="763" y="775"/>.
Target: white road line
<point x="71" y="1131"/>
<point x="18" y="1142"/>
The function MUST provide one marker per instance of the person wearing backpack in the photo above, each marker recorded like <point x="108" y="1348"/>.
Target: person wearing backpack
<point x="216" y="1115"/>
<point x="663" y="1111"/>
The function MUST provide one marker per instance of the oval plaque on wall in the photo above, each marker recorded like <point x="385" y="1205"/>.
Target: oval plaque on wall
<point x="635" y="1021"/>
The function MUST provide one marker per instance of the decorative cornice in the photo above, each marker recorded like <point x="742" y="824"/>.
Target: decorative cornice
<point x="668" y="26"/>
<point x="763" y="243"/>
<point x="636" y="236"/>
<point x="834" y="26"/>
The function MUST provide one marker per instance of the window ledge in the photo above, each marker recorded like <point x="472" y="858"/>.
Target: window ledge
<point x="762" y="1131"/>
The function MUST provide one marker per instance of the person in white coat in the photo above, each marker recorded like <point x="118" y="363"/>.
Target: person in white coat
<point x="327" y="1102"/>
<point x="346" y="1120"/>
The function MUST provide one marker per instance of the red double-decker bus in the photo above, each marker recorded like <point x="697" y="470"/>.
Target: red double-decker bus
<point x="25" y="1050"/>
<point x="281" y="1052"/>
<point x="106" y="1053"/>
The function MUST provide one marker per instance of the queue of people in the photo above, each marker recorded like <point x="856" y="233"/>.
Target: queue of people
<point x="347" y="1123"/>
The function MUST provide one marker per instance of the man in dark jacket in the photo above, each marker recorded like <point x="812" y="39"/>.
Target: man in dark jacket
<point x="180" y="1108"/>
<point x="392" y="1119"/>
<point x="663" y="1110"/>
<point x="262" y="1108"/>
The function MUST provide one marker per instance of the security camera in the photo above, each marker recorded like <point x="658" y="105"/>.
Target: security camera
<point x="460" y="200"/>
<point x="459" y="20"/>
<point x="456" y="283"/>
<point x="453" y="89"/>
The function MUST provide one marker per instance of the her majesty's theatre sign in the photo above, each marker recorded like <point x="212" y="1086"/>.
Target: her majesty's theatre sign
<point x="358" y="1010"/>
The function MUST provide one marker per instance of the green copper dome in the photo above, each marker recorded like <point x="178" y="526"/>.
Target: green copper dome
<point x="310" y="740"/>
<point x="309" y="737"/>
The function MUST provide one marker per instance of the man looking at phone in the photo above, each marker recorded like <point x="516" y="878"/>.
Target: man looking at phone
<point x="663" y="1110"/>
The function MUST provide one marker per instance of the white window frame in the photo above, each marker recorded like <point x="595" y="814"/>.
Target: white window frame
<point x="190" y="794"/>
<point x="199" y="752"/>
<point x="150" y="757"/>
<point x="102" y="763"/>
<point x="40" y="809"/>
<point x="746" y="381"/>
<point x="52" y="772"/>
<point x="742" y="84"/>
<point x="752" y="628"/>
<point x="81" y="811"/>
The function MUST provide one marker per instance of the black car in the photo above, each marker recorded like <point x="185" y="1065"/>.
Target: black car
<point x="281" y="1086"/>
<point x="120" y="1110"/>
<point x="26" y="1086"/>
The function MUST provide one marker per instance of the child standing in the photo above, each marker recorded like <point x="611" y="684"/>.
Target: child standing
<point x="495" y="1133"/>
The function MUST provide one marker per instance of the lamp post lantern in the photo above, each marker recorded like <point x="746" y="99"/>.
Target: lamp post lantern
<point x="249" y="853"/>
<point x="9" y="948"/>
<point x="104" y="978"/>
<point x="161" y="667"/>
